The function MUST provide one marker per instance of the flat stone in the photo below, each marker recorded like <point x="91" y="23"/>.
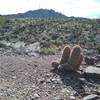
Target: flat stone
<point x="98" y="65"/>
<point x="91" y="97"/>
<point x="92" y="70"/>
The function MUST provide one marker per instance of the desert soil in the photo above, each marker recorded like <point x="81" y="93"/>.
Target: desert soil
<point x="33" y="78"/>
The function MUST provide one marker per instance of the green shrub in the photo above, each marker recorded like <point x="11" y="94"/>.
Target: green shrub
<point x="3" y="45"/>
<point x="47" y="51"/>
<point x="2" y="20"/>
<point x="98" y="49"/>
<point x="58" y="42"/>
<point x="45" y="44"/>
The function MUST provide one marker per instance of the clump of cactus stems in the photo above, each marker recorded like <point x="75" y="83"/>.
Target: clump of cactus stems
<point x="71" y="58"/>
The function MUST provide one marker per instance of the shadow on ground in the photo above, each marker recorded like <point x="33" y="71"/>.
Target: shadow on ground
<point x="82" y="83"/>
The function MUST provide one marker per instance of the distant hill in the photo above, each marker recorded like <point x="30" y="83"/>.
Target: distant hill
<point x="39" y="13"/>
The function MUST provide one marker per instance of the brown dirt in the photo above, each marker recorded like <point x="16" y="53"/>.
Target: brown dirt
<point x="33" y="78"/>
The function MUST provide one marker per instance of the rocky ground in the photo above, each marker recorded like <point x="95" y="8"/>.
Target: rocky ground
<point x="33" y="78"/>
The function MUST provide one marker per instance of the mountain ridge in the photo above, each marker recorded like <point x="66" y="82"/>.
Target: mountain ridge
<point x="39" y="13"/>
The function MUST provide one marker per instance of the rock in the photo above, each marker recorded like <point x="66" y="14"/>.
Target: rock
<point x="18" y="45"/>
<point x="90" y="52"/>
<point x="53" y="86"/>
<point x="14" y="77"/>
<point x="92" y="70"/>
<point x="35" y="96"/>
<point x="56" y="80"/>
<point x="98" y="65"/>
<point x="5" y="43"/>
<point x="98" y="56"/>
<point x="56" y="98"/>
<point x="85" y="50"/>
<point x="33" y="47"/>
<point x="41" y="80"/>
<point x="90" y="60"/>
<point x="65" y="90"/>
<point x="97" y="91"/>
<point x="91" y="97"/>
<point x="72" y="97"/>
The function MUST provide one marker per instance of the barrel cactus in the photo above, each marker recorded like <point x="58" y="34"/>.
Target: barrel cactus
<point x="71" y="58"/>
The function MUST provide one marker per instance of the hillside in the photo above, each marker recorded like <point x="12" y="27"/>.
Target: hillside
<point x="51" y="32"/>
<point x="28" y="45"/>
<point x="39" y="13"/>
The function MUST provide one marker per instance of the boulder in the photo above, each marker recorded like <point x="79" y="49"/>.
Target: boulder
<point x="98" y="65"/>
<point x="91" y="97"/>
<point x="92" y="70"/>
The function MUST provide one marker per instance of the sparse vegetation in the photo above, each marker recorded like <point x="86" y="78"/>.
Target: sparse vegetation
<point x="27" y="48"/>
<point x="98" y="49"/>
<point x="51" y="31"/>
<point x="2" y="45"/>
<point x="48" y="51"/>
<point x="2" y="20"/>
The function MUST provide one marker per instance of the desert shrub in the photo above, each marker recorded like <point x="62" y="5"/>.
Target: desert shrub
<point x="3" y="45"/>
<point x="2" y="20"/>
<point x="45" y="43"/>
<point x="59" y="41"/>
<point x="98" y="49"/>
<point x="49" y="31"/>
<point x="47" y="51"/>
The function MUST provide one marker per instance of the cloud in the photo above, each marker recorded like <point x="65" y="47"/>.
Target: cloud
<point x="82" y="8"/>
<point x="78" y="8"/>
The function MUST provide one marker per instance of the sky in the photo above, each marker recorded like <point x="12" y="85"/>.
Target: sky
<point x="77" y="8"/>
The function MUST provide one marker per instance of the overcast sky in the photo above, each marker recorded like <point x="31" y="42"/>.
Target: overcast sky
<point x="77" y="8"/>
